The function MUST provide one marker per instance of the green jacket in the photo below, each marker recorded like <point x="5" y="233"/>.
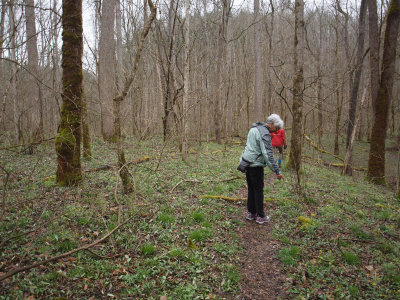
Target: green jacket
<point x="258" y="150"/>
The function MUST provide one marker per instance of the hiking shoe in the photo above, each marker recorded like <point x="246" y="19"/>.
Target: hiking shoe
<point x="260" y="220"/>
<point x="251" y="216"/>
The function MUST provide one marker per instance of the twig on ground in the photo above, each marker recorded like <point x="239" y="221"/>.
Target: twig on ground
<point x="84" y="247"/>
<point x="55" y="258"/>
<point x="101" y="256"/>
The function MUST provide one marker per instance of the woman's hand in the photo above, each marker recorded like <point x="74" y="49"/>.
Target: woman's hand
<point x="280" y="176"/>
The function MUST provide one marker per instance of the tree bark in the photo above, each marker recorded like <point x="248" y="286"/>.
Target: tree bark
<point x="123" y="170"/>
<point x="339" y="98"/>
<point x="55" y="110"/>
<point x="219" y="73"/>
<point x="270" y="59"/>
<point x="33" y="67"/>
<point x="87" y="152"/>
<point x="258" y="67"/>
<point x="13" y="80"/>
<point x="319" y="75"/>
<point x="353" y="135"/>
<point x="298" y="85"/>
<point x="373" y="51"/>
<point x="357" y="76"/>
<point x="2" y="92"/>
<point x="376" y="161"/>
<point x="186" y="87"/>
<point x="106" y="68"/>
<point x="68" y="139"/>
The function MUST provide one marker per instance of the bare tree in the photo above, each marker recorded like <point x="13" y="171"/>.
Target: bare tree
<point x="298" y="85"/>
<point x="373" y="51"/>
<point x="376" y="161"/>
<point x="258" y="67"/>
<point x="106" y="68"/>
<point x="338" y="95"/>
<point x="2" y="93"/>
<point x="123" y="170"/>
<point x="357" y="78"/>
<point x="186" y="86"/>
<point x="221" y="43"/>
<point x="68" y="139"/>
<point x="55" y="59"/>
<point x="13" y="81"/>
<point x="33" y="62"/>
<point x="166" y="60"/>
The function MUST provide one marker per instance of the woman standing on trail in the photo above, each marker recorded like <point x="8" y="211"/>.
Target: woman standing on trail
<point x="278" y="142"/>
<point x="256" y="155"/>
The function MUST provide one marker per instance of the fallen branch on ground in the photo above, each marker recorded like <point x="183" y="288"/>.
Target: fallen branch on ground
<point x="55" y="258"/>
<point x="320" y="149"/>
<point x="329" y="164"/>
<point x="84" y="247"/>
<point x="224" y="198"/>
<point x="201" y="181"/>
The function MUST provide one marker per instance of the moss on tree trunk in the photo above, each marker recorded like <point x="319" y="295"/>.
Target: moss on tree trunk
<point x="68" y="138"/>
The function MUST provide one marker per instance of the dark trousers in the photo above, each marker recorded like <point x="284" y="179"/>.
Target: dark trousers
<point x="255" y="188"/>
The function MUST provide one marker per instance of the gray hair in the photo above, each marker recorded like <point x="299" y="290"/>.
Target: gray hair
<point x="275" y="120"/>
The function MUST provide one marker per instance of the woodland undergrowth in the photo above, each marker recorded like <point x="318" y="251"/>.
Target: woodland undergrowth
<point x="340" y="239"/>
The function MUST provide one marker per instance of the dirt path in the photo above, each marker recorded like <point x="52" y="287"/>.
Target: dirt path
<point x="262" y="277"/>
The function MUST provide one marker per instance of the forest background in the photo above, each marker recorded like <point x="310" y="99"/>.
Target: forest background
<point x="181" y="75"/>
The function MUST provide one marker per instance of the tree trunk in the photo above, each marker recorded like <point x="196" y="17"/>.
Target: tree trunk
<point x="106" y="68"/>
<point x="373" y="51"/>
<point x="319" y="75"/>
<point x="228" y="110"/>
<point x="353" y="135"/>
<point x="55" y="91"/>
<point x="68" y="139"/>
<point x="2" y="92"/>
<point x="13" y="79"/>
<point x="258" y="67"/>
<point x="219" y="79"/>
<point x="270" y="58"/>
<point x="166" y="55"/>
<point x="87" y="152"/>
<point x="357" y="76"/>
<point x="376" y="161"/>
<point x="186" y="87"/>
<point x="33" y="63"/>
<point x="298" y="84"/>
<point x="123" y="170"/>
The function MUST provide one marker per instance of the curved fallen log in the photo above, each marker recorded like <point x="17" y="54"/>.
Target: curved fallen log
<point x="315" y="146"/>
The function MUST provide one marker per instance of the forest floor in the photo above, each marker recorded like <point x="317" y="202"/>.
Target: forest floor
<point x="176" y="237"/>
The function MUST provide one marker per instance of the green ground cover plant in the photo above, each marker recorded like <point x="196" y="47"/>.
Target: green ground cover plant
<point x="338" y="240"/>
